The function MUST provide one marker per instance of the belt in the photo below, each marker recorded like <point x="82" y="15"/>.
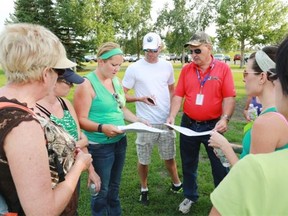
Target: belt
<point x="193" y="121"/>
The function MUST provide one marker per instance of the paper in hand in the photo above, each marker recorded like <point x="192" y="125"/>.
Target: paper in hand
<point x="187" y="131"/>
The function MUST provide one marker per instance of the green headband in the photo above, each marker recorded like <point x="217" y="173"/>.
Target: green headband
<point x="110" y="53"/>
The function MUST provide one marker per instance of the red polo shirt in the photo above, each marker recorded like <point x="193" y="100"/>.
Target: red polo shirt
<point x="219" y="84"/>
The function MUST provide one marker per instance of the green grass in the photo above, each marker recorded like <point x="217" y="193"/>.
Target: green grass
<point x="162" y="201"/>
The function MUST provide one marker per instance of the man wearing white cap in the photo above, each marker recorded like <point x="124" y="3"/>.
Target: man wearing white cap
<point x="153" y="81"/>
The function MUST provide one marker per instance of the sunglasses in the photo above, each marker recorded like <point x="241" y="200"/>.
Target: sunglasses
<point x="151" y="50"/>
<point x="271" y="75"/>
<point x="65" y="81"/>
<point x="60" y="72"/>
<point x="196" y="51"/>
<point x="116" y="97"/>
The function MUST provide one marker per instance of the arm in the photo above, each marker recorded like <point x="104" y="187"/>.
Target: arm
<point x="171" y="91"/>
<point x="227" y="111"/>
<point x="133" y="98"/>
<point x="214" y="212"/>
<point x="25" y="148"/>
<point x="175" y="107"/>
<point x="245" y="111"/>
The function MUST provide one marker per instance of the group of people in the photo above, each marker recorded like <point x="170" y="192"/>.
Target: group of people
<point x="46" y="142"/>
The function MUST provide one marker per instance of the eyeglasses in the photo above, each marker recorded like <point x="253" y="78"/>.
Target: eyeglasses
<point x="151" y="50"/>
<point x="271" y="75"/>
<point x="196" y="51"/>
<point x="117" y="98"/>
<point x="60" y="72"/>
<point x="65" y="81"/>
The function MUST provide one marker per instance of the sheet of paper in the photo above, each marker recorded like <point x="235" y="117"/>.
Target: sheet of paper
<point x="186" y="131"/>
<point x="140" y="127"/>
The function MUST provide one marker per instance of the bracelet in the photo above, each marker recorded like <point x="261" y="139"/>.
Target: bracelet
<point x="225" y="116"/>
<point x="100" y="128"/>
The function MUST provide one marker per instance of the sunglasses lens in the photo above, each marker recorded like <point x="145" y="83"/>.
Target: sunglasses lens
<point x="60" y="72"/>
<point x="196" y="51"/>
<point x="151" y="50"/>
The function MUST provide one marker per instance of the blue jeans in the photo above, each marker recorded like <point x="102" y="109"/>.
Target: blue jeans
<point x="189" y="150"/>
<point x="108" y="162"/>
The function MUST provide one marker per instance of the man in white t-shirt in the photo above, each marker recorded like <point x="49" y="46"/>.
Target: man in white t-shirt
<point x="153" y="81"/>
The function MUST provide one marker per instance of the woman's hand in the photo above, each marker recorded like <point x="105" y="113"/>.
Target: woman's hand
<point x="83" y="159"/>
<point x="111" y="130"/>
<point x="217" y="140"/>
<point x="95" y="178"/>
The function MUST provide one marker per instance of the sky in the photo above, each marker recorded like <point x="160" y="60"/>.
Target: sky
<point x="7" y="6"/>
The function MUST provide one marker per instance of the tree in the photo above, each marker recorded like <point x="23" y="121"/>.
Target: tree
<point x="183" y="20"/>
<point x="250" y="22"/>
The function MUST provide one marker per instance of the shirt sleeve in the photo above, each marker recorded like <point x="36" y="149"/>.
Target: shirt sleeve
<point x="128" y="80"/>
<point x="228" y="84"/>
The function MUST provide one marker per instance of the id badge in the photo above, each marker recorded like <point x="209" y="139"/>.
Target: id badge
<point x="199" y="99"/>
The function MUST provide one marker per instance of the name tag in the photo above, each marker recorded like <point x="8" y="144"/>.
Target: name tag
<point x="199" y="99"/>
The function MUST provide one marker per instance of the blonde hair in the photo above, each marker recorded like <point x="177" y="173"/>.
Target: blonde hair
<point x="26" y="50"/>
<point x="106" y="47"/>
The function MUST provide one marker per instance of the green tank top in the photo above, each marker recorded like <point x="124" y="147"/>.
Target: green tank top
<point x="105" y="109"/>
<point x="246" y="142"/>
<point x="67" y="121"/>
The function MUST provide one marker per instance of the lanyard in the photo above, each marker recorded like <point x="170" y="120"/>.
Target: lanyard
<point x="207" y="77"/>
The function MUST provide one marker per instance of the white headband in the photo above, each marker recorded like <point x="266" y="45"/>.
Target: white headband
<point x="264" y="61"/>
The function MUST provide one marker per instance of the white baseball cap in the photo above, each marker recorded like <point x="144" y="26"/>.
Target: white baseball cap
<point x="151" y="41"/>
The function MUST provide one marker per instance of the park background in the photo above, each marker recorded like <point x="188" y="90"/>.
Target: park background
<point x="240" y="26"/>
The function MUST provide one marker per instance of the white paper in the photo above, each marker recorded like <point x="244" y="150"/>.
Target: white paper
<point x="140" y="127"/>
<point x="187" y="131"/>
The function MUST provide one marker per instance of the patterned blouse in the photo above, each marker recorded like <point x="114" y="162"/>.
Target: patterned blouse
<point x="60" y="149"/>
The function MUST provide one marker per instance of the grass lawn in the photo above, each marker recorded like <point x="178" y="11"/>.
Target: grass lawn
<point x="162" y="201"/>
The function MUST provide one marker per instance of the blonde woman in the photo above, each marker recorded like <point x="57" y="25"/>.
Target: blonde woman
<point x="30" y="178"/>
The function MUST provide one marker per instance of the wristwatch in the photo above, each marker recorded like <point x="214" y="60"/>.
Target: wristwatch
<point x="225" y="116"/>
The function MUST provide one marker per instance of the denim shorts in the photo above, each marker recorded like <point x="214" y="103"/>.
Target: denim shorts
<point x="165" y="142"/>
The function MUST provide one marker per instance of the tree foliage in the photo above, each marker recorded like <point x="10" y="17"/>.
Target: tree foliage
<point x="183" y="20"/>
<point x="83" y="25"/>
<point x="243" y="23"/>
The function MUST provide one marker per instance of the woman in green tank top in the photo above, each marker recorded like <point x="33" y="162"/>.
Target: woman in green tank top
<point x="262" y="137"/>
<point x="100" y="106"/>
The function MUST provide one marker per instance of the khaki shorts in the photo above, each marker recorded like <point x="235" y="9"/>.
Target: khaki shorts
<point x="165" y="142"/>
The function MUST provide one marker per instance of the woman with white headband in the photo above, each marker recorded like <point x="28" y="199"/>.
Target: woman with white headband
<point x="269" y="130"/>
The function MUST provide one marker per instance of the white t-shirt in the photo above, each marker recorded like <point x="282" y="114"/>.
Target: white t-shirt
<point x="151" y="80"/>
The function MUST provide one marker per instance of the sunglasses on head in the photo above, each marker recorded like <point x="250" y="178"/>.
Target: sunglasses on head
<point x="271" y="75"/>
<point x="60" y="72"/>
<point x="151" y="50"/>
<point x="196" y="51"/>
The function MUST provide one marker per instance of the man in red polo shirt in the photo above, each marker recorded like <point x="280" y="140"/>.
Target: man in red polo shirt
<point x="207" y="87"/>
